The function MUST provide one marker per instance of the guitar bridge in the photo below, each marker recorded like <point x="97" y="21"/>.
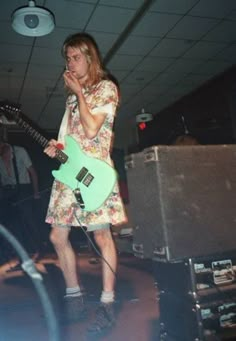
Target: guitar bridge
<point x="79" y="198"/>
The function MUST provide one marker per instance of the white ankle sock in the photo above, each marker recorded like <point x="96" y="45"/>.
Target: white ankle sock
<point x="107" y="297"/>
<point x="73" y="292"/>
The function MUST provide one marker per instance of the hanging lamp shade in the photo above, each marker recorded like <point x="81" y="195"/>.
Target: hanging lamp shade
<point x="143" y="117"/>
<point x="33" y="21"/>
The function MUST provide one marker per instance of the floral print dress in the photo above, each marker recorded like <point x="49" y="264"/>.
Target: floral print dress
<point x="101" y="99"/>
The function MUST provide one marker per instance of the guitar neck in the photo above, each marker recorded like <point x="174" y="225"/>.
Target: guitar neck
<point x="17" y="116"/>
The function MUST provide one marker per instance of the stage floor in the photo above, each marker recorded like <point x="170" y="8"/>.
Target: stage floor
<point x="22" y="316"/>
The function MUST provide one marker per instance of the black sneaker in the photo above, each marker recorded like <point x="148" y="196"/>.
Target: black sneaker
<point x="74" y="308"/>
<point x="104" y="318"/>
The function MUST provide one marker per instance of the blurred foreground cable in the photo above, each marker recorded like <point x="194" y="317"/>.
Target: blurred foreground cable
<point x="29" y="267"/>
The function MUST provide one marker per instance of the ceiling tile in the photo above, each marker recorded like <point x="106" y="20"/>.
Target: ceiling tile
<point x="168" y="78"/>
<point x="195" y="79"/>
<point x="11" y="69"/>
<point x="9" y="84"/>
<point x="212" y="67"/>
<point x="120" y="74"/>
<point x="7" y="8"/>
<point x="54" y="39"/>
<point x="155" y="64"/>
<point x="228" y="54"/>
<point x="140" y="78"/>
<point x="154" y="89"/>
<point x="68" y="14"/>
<point x="225" y="31"/>
<point x="47" y="56"/>
<point x="9" y="36"/>
<point x="12" y="53"/>
<point x="156" y="24"/>
<point x="104" y="40"/>
<point x="180" y="90"/>
<point x="134" y="4"/>
<point x="192" y="28"/>
<point x="128" y="91"/>
<point x="170" y="48"/>
<point x="204" y="50"/>
<point x="138" y="45"/>
<point x="232" y="15"/>
<point x="115" y="22"/>
<point x="87" y="1"/>
<point x="124" y="62"/>
<point x="183" y="65"/>
<point x="213" y="8"/>
<point x="170" y="6"/>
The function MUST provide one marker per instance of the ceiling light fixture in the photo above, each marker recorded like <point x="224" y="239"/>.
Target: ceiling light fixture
<point x="143" y="117"/>
<point x="33" y="21"/>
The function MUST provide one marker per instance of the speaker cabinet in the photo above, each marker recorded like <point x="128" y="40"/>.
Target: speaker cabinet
<point x="197" y="298"/>
<point x="182" y="201"/>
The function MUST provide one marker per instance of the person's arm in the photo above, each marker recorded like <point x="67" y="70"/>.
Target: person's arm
<point x="91" y="123"/>
<point x="34" y="180"/>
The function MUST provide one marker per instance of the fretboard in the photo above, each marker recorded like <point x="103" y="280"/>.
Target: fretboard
<point x="16" y="114"/>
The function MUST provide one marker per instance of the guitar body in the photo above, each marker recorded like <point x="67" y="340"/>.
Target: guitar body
<point x="93" y="177"/>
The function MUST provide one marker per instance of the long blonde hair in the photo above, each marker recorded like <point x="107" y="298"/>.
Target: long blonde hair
<point x="89" y="48"/>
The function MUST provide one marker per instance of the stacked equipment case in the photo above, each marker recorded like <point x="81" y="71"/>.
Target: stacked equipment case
<point x="182" y="201"/>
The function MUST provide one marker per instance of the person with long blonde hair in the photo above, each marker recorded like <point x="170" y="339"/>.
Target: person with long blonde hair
<point x="91" y="107"/>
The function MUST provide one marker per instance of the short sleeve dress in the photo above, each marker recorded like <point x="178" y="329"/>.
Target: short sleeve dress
<point x="101" y="99"/>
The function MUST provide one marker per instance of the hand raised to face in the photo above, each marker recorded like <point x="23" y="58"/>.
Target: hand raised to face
<point x="72" y="82"/>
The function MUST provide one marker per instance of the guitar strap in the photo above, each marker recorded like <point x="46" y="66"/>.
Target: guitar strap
<point x="64" y="126"/>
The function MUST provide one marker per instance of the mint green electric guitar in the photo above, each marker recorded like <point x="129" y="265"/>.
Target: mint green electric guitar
<point x="91" y="179"/>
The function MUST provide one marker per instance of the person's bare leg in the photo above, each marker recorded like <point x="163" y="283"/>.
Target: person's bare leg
<point x="60" y="239"/>
<point x="105" y="317"/>
<point x="74" y="308"/>
<point x="107" y="247"/>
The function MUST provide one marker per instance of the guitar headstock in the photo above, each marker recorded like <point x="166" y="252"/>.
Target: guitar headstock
<point x="10" y="110"/>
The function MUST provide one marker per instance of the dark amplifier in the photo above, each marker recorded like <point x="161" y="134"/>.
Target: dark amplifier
<point x="200" y="278"/>
<point x="197" y="298"/>
<point x="180" y="319"/>
<point x="182" y="201"/>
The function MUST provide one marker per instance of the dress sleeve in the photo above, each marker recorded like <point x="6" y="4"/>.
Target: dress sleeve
<point x="106" y="99"/>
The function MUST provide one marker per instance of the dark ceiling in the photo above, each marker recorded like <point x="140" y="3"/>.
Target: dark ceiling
<point x="159" y="51"/>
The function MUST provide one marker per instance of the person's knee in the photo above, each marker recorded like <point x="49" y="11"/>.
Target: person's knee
<point x="57" y="237"/>
<point x="103" y="238"/>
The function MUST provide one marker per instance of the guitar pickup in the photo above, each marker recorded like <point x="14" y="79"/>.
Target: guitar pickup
<point x="88" y="179"/>
<point x="85" y="177"/>
<point x="81" y="174"/>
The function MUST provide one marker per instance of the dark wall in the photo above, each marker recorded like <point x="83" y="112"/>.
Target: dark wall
<point x="42" y="163"/>
<point x="207" y="115"/>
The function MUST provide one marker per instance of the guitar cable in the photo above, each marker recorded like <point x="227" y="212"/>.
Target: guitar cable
<point x="81" y="226"/>
<point x="91" y="241"/>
